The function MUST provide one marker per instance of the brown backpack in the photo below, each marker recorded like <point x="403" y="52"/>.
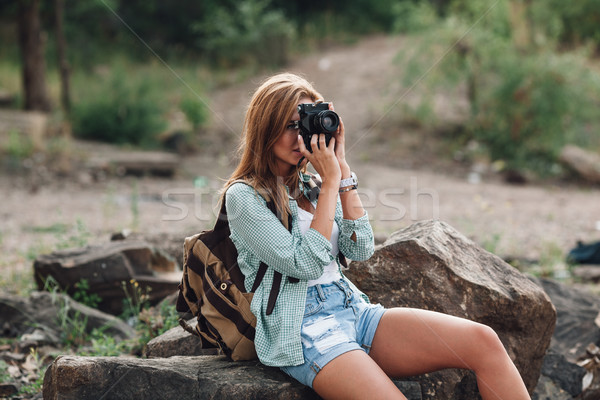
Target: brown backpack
<point x="212" y="289"/>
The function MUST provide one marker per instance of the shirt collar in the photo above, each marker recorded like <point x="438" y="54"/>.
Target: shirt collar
<point x="304" y="178"/>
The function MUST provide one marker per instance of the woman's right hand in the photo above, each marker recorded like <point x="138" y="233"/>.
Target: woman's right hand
<point x="322" y="158"/>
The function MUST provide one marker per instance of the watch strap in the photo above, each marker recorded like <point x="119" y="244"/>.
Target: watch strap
<point x="352" y="181"/>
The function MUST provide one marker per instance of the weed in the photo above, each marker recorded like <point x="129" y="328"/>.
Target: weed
<point x="82" y="294"/>
<point x="19" y="146"/>
<point x="4" y="375"/>
<point x="491" y="244"/>
<point x="103" y="345"/>
<point x="34" y="387"/>
<point x="136" y="299"/>
<point x="78" y="238"/>
<point x="73" y="326"/>
<point x="135" y="205"/>
<point x="56" y="228"/>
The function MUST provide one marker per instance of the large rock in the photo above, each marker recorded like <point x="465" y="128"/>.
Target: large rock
<point x="136" y="163"/>
<point x="169" y="243"/>
<point x="584" y="162"/>
<point x="178" y="342"/>
<point x="29" y="124"/>
<point x="577" y="311"/>
<point x="178" y="378"/>
<point x="45" y="313"/>
<point x="107" y="267"/>
<point x="430" y="265"/>
<point x="576" y="329"/>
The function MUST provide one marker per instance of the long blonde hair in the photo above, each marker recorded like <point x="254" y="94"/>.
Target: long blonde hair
<point x="267" y="117"/>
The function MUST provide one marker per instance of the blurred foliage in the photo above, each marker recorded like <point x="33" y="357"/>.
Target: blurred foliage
<point x="529" y="91"/>
<point x="244" y="32"/>
<point x="195" y="111"/>
<point x="526" y="99"/>
<point x="119" y="108"/>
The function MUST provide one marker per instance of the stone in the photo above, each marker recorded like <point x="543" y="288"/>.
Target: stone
<point x="138" y="163"/>
<point x="589" y="273"/>
<point x="107" y="267"/>
<point x="30" y="124"/>
<point x="429" y="265"/>
<point x="7" y="390"/>
<point x="178" y="342"/>
<point x="178" y="378"/>
<point x="170" y="244"/>
<point x="576" y="314"/>
<point x="39" y="314"/>
<point x="584" y="162"/>
<point x="566" y="375"/>
<point x="547" y="389"/>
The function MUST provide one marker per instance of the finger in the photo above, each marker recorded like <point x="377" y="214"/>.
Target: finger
<point x="341" y="130"/>
<point x="302" y="147"/>
<point x="314" y="142"/>
<point x="331" y="143"/>
<point x="331" y="106"/>
<point x="322" y="141"/>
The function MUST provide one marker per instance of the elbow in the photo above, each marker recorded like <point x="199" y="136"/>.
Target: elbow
<point x="295" y="268"/>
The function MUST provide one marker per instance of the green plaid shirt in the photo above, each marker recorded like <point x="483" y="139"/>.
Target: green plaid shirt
<point x="259" y="235"/>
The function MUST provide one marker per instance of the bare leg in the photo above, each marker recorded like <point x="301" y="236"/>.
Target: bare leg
<point x="354" y="375"/>
<point x="412" y="342"/>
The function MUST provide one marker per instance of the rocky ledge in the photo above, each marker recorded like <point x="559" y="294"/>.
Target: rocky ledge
<point x="428" y="265"/>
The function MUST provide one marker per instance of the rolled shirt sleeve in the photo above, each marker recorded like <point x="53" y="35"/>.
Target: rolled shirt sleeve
<point x="364" y="246"/>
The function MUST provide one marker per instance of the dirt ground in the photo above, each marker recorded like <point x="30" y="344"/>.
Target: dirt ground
<point x="532" y="221"/>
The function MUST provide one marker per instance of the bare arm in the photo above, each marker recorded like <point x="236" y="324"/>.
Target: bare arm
<point x="325" y="163"/>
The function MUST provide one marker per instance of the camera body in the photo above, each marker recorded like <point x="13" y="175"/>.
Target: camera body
<point x="317" y="118"/>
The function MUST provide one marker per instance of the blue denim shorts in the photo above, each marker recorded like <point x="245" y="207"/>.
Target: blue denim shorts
<point x="336" y="320"/>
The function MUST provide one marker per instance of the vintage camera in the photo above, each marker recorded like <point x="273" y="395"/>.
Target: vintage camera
<point x="316" y="118"/>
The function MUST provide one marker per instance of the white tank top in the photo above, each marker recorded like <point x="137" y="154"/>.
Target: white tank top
<point x="331" y="272"/>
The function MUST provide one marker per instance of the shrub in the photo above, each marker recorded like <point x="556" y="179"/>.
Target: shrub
<point x="119" y="108"/>
<point x="525" y="105"/>
<point x="410" y="17"/>
<point x="195" y="111"/>
<point x="249" y="31"/>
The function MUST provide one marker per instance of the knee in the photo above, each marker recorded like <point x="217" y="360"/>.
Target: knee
<point x="487" y="343"/>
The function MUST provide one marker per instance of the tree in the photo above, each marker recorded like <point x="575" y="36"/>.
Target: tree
<point x="61" y="46"/>
<point x="31" y="44"/>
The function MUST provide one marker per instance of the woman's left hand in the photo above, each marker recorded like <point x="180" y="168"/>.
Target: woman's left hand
<point x="340" y="146"/>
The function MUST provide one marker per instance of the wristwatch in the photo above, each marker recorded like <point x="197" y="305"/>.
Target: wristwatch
<point x="352" y="181"/>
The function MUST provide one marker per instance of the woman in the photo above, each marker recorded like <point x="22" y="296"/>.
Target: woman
<point x="322" y="332"/>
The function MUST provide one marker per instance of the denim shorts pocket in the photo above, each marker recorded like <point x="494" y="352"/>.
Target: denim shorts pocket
<point x="312" y="307"/>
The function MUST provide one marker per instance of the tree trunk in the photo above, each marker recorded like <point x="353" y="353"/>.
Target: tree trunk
<point x="32" y="55"/>
<point x="63" y="64"/>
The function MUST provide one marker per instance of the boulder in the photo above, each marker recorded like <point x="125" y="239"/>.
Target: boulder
<point x="178" y="378"/>
<point x="137" y="163"/>
<point x="584" y="162"/>
<point x="178" y="342"/>
<point x="575" y="327"/>
<point x="565" y="375"/>
<point x="107" y="267"/>
<point x="38" y="318"/>
<point x="430" y="265"/>
<point x="574" y="344"/>
<point x="170" y="244"/>
<point x="31" y="125"/>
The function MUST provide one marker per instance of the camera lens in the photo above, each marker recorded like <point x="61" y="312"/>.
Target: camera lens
<point x="327" y="121"/>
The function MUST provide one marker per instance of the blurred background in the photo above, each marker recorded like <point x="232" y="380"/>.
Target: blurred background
<point x="124" y="116"/>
